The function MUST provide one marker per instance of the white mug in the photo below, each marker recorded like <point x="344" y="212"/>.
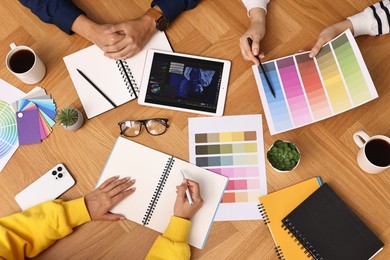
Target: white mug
<point x="374" y="153"/>
<point x="24" y="63"/>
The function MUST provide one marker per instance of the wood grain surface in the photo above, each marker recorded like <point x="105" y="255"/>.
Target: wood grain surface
<point x="211" y="29"/>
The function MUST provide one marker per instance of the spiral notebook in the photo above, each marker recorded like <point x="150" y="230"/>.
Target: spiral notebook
<point x="157" y="174"/>
<point x="119" y="80"/>
<point x="276" y="205"/>
<point x="329" y="229"/>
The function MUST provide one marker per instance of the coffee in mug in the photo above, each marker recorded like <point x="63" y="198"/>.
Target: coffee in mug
<point x="374" y="153"/>
<point x="23" y="62"/>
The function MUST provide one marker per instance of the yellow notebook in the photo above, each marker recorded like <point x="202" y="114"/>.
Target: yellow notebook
<point x="277" y="205"/>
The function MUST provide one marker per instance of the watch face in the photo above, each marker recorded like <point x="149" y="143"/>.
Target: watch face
<point x="162" y="23"/>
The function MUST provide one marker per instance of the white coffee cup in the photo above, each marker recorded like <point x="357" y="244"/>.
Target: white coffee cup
<point x="374" y="153"/>
<point x="24" y="63"/>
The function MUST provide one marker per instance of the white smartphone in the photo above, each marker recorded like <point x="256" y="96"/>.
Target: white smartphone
<point x="48" y="187"/>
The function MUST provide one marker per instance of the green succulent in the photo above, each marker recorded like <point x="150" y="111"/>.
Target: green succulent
<point x="67" y="116"/>
<point x="283" y="155"/>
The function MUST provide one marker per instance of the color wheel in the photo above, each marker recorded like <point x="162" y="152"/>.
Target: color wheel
<point x="8" y="130"/>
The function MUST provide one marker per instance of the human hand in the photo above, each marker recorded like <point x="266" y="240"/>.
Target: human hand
<point x="136" y="33"/>
<point x="106" y="196"/>
<point x="328" y="34"/>
<point x="94" y="32"/>
<point x="256" y="32"/>
<point x="183" y="208"/>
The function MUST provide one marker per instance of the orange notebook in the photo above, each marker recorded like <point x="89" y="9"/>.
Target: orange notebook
<point x="277" y="205"/>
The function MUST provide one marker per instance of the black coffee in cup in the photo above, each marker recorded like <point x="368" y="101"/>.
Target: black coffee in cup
<point x="378" y="152"/>
<point x="21" y="61"/>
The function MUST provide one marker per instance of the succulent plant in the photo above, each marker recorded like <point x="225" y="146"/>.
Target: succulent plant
<point x="67" y="116"/>
<point x="283" y="155"/>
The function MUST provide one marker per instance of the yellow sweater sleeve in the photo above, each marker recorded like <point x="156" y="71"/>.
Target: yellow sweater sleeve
<point x="173" y="243"/>
<point x="27" y="233"/>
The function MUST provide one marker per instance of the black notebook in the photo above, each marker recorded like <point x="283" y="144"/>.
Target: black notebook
<point x="329" y="229"/>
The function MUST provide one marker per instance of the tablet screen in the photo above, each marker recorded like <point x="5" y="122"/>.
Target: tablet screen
<point x="184" y="82"/>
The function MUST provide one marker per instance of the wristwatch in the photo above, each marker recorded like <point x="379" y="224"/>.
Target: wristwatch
<point x="161" y="21"/>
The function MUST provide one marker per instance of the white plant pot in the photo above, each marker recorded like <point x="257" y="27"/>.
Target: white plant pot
<point x="78" y="124"/>
<point x="283" y="171"/>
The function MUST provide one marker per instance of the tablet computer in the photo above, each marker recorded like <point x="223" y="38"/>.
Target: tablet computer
<point x="184" y="82"/>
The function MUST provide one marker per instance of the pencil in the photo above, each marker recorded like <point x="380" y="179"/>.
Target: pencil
<point x="187" y="191"/>
<point x="262" y="68"/>
<point x="93" y="85"/>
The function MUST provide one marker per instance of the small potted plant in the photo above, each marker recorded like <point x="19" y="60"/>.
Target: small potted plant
<point x="70" y="118"/>
<point x="284" y="156"/>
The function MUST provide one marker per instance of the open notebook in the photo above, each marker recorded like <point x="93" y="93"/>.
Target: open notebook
<point x="157" y="174"/>
<point x="119" y="80"/>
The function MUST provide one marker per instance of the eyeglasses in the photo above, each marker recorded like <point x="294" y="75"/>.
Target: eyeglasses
<point x="155" y="126"/>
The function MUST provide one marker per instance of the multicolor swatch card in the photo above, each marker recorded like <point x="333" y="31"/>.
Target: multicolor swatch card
<point x="8" y="129"/>
<point x="309" y="90"/>
<point x="232" y="146"/>
<point x="35" y="115"/>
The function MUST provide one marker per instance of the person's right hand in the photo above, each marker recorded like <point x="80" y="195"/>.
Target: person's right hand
<point x="183" y="208"/>
<point x="328" y="34"/>
<point x="256" y="32"/>
<point x="107" y="195"/>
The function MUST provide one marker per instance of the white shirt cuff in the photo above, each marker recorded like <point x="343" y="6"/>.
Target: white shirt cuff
<point x="363" y="24"/>
<point x="250" y="4"/>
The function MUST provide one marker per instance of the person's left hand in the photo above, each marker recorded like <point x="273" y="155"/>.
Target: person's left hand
<point x="329" y="33"/>
<point x="136" y="34"/>
<point x="106" y="196"/>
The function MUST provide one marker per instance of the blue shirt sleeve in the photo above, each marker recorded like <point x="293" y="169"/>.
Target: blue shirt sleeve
<point x="172" y="9"/>
<point x="62" y="13"/>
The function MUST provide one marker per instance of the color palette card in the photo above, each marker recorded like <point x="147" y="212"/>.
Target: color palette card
<point x="8" y="129"/>
<point x="35" y="114"/>
<point x="232" y="146"/>
<point x="309" y="90"/>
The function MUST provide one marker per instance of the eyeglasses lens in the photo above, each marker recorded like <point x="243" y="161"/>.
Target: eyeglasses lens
<point x="131" y="128"/>
<point x="156" y="127"/>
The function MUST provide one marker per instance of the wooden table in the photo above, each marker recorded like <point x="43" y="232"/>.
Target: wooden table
<point x="212" y="29"/>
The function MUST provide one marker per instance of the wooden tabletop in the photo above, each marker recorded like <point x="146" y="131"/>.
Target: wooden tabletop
<point x="212" y="29"/>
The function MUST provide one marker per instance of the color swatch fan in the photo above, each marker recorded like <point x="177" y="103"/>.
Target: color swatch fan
<point x="35" y="115"/>
<point x="309" y="90"/>
<point x="8" y="131"/>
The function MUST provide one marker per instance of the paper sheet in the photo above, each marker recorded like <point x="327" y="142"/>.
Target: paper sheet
<point x="232" y="146"/>
<point x="309" y="90"/>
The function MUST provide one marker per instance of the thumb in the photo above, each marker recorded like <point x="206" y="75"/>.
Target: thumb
<point x="317" y="47"/>
<point x="112" y="217"/>
<point x="113" y="29"/>
<point x="181" y="191"/>
<point x="256" y="45"/>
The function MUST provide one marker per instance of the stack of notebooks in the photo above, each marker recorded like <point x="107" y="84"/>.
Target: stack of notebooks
<point x="35" y="114"/>
<point x="309" y="220"/>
